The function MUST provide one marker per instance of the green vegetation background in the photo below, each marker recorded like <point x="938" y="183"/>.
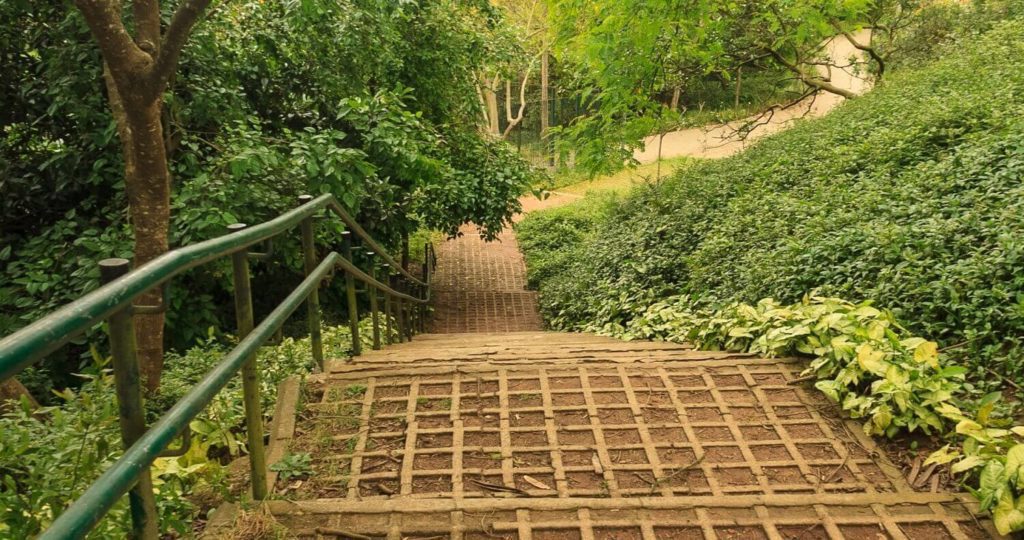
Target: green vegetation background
<point x="910" y="196"/>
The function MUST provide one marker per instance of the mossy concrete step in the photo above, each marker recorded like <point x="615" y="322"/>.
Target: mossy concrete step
<point x="743" y="517"/>
<point x="543" y="435"/>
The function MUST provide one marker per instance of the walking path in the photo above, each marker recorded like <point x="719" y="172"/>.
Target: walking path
<point x="481" y="287"/>
<point x="717" y="140"/>
<point x="490" y="428"/>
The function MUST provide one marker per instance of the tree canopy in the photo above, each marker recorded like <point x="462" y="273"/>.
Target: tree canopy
<point x="372" y="101"/>
<point x="631" y="54"/>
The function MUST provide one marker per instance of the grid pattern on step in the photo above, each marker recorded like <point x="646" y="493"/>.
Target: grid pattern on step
<point x="592" y="431"/>
<point x="932" y="521"/>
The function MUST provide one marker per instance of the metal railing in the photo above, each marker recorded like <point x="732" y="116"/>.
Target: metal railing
<point x="405" y="300"/>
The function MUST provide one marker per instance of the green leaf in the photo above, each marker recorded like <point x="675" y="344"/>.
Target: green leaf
<point x="991" y="483"/>
<point x="942" y="456"/>
<point x="1007" y="515"/>
<point x="1015" y="464"/>
<point x="928" y="353"/>
<point x="881" y="419"/>
<point x="966" y="464"/>
<point x="871" y="360"/>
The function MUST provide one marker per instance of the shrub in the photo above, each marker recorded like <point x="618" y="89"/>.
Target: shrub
<point x="48" y="458"/>
<point x="909" y="197"/>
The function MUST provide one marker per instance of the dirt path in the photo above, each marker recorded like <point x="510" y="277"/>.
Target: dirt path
<point x="717" y="141"/>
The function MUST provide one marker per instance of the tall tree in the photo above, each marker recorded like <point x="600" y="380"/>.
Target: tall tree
<point x="137" y="67"/>
<point x="516" y="46"/>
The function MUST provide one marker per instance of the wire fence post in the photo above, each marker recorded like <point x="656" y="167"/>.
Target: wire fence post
<point x="350" y="292"/>
<point x="389" y="336"/>
<point x="374" y="294"/>
<point x="399" y="311"/>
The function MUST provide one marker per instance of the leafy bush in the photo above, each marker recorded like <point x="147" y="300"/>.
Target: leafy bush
<point x="909" y="197"/>
<point x="862" y="359"/>
<point x="374" y="102"/>
<point x="48" y="458"/>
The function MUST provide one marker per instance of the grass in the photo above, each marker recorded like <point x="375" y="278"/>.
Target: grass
<point x="577" y="183"/>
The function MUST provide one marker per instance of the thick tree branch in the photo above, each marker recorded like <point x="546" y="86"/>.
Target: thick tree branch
<point x="816" y="82"/>
<point x="177" y="34"/>
<point x="146" y="15"/>
<point x="116" y="44"/>
<point x="514" y="121"/>
<point x="483" y="102"/>
<point x="868" y="49"/>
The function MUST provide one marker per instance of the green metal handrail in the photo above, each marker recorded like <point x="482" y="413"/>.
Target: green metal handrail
<point x="112" y="302"/>
<point x="42" y="337"/>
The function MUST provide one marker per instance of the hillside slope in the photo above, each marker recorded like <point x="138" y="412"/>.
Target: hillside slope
<point x="910" y="196"/>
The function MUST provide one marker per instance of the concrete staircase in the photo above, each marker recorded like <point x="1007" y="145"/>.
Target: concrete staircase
<point x="540" y="435"/>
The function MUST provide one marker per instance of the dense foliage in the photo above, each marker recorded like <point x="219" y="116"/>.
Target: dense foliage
<point x="82" y="439"/>
<point x="630" y="54"/>
<point x="909" y="198"/>
<point x="862" y="358"/>
<point x="372" y="101"/>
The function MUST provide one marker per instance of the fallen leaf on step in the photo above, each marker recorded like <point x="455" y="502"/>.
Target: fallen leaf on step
<point x="535" y="483"/>
<point x="596" y="461"/>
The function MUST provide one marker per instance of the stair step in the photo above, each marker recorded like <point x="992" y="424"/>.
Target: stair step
<point x="911" y="516"/>
<point x="546" y="435"/>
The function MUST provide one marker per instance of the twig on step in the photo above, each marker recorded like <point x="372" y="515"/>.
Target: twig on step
<point x="343" y="533"/>
<point x="800" y="380"/>
<point x="658" y="481"/>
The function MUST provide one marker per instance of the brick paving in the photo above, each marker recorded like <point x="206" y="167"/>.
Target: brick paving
<point x="481" y="287"/>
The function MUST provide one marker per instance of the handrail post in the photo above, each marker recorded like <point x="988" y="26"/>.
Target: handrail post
<point x="399" y="312"/>
<point x="350" y="292"/>
<point x="129" y="404"/>
<point x="250" y="374"/>
<point x="389" y="335"/>
<point x="426" y="288"/>
<point x="374" y="294"/>
<point x="313" y="301"/>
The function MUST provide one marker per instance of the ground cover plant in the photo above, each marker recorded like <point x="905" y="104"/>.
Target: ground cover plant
<point x="909" y="198"/>
<point x="82" y="439"/>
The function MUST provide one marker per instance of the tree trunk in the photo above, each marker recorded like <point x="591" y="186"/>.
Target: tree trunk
<point x="491" y="97"/>
<point x="545" y="111"/>
<point x="136" y="71"/>
<point x="739" y="86"/>
<point x="405" y="251"/>
<point x="148" y="187"/>
<point x="11" y="389"/>
<point x="676" y="92"/>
